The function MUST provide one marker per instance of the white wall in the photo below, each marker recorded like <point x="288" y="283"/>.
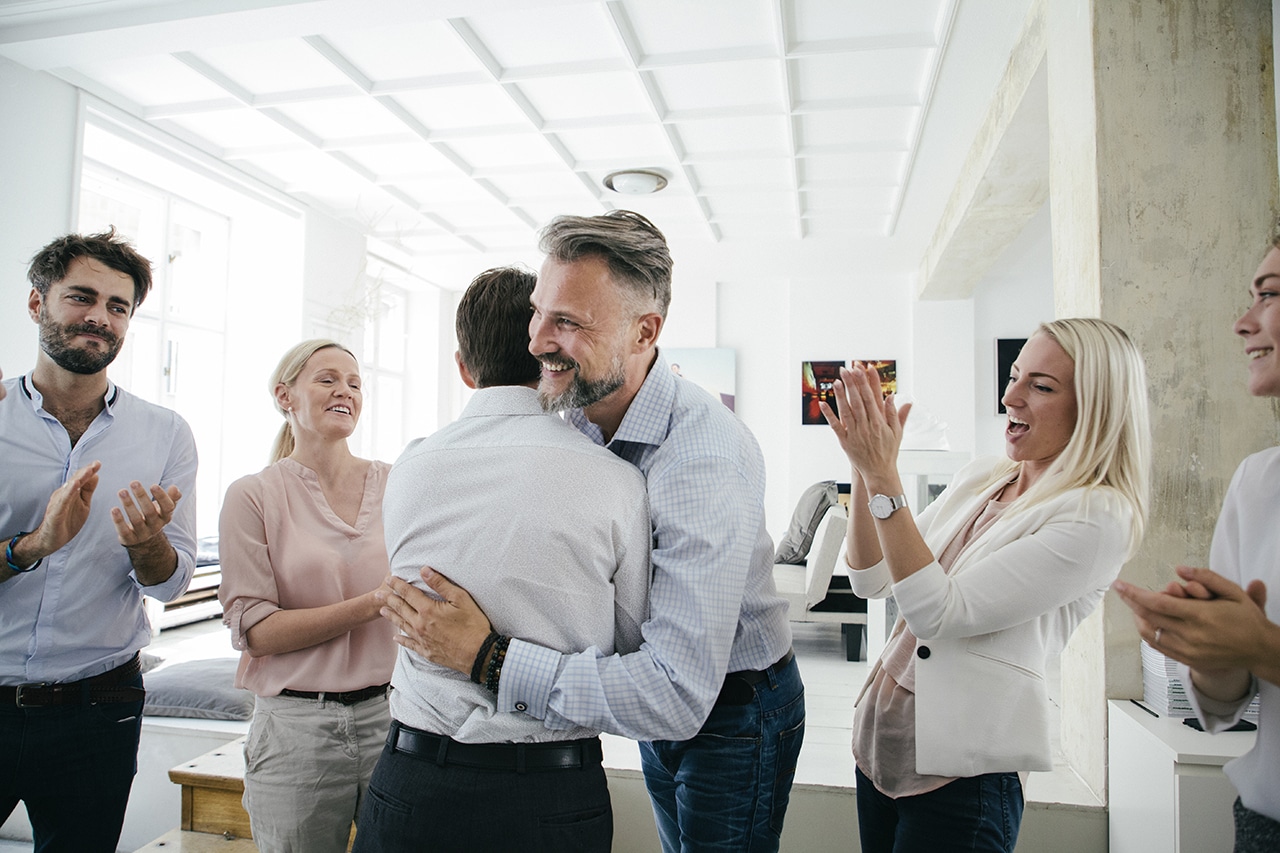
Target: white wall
<point x="1014" y="298"/>
<point x="37" y="169"/>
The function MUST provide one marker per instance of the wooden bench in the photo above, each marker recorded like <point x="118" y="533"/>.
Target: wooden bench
<point x="213" y="816"/>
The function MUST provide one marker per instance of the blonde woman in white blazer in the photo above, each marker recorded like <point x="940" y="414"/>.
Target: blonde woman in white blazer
<point x="990" y="581"/>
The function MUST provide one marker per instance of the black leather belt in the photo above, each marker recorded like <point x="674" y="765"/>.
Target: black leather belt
<point x="101" y="689"/>
<point x="739" y="687"/>
<point x="509" y="757"/>
<point x="351" y="697"/>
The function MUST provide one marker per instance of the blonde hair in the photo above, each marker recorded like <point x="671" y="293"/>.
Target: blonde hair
<point x="286" y="373"/>
<point x="1110" y="445"/>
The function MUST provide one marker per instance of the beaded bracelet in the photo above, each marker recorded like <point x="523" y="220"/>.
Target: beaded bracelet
<point x="8" y="557"/>
<point x="493" y="673"/>
<point x="478" y="666"/>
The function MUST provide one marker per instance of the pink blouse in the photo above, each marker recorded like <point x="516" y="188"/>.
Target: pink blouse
<point x="884" y="723"/>
<point x="283" y="548"/>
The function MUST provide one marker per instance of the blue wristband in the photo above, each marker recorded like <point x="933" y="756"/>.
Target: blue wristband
<point x="8" y="556"/>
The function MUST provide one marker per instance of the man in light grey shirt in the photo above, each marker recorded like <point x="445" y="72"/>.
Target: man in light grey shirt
<point x="551" y="535"/>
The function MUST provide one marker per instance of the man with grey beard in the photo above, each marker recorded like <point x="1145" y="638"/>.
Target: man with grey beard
<point x="714" y="693"/>
<point x="71" y="611"/>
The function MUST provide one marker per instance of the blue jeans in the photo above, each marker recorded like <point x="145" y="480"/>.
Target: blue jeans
<point x="73" y="766"/>
<point x="727" y="788"/>
<point x="977" y="813"/>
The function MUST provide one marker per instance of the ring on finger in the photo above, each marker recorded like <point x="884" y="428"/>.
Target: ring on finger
<point x="1155" y="641"/>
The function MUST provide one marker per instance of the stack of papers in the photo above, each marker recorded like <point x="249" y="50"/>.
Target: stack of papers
<point x="1164" y="692"/>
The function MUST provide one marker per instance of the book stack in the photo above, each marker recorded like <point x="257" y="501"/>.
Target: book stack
<point x="1164" y="692"/>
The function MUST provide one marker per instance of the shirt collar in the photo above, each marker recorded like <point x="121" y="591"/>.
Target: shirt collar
<point x="648" y="418"/>
<point x="503" y="400"/>
<point x="33" y="394"/>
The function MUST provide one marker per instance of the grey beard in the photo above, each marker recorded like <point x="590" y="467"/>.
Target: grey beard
<point x="583" y="392"/>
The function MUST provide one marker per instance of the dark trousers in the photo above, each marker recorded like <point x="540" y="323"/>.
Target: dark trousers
<point x="727" y="788"/>
<point x="976" y="813"/>
<point x="73" y="766"/>
<point x="1255" y="833"/>
<point x="416" y="804"/>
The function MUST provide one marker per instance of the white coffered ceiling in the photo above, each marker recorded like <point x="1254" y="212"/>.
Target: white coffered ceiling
<point x="458" y="128"/>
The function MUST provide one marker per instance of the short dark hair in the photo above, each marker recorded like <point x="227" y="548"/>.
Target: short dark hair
<point x="493" y="328"/>
<point x="50" y="264"/>
<point x="632" y="246"/>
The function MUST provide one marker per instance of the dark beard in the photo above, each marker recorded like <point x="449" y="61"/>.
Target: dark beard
<point x="581" y="392"/>
<point x="55" y="340"/>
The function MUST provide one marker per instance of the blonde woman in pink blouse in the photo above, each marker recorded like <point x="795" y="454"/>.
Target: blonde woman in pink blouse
<point x="302" y="553"/>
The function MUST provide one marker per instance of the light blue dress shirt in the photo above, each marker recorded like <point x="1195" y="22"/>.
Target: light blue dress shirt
<point x="713" y="607"/>
<point x="81" y="613"/>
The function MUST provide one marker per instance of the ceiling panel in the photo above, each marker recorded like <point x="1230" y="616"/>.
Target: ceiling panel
<point x="526" y="149"/>
<point x="897" y="73"/>
<point x="238" y="129"/>
<point x="676" y="26"/>
<point x="471" y="107"/>
<point x="465" y="134"/>
<point x="613" y="97"/>
<point x="339" y="118"/>
<point x="282" y="65"/>
<point x="728" y="176"/>
<point x="415" y="49"/>
<point x="392" y="163"/>
<point x="628" y="146"/>
<point x="548" y="36"/>
<point x="754" y="85"/>
<point x="827" y="20"/>
<point x="887" y="128"/>
<point x="155" y="79"/>
<point x="724" y="136"/>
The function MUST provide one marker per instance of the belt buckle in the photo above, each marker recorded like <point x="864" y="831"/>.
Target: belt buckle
<point x="22" y="688"/>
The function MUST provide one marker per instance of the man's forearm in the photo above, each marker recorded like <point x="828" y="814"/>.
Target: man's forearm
<point x="154" y="561"/>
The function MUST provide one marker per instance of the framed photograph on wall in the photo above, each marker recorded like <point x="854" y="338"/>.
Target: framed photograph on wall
<point x="817" y="378"/>
<point x="888" y="370"/>
<point x="1007" y="350"/>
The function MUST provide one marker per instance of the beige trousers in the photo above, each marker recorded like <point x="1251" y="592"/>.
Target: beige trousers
<point x="307" y="768"/>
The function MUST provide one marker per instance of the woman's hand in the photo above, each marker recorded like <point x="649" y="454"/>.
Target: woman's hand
<point x="867" y="424"/>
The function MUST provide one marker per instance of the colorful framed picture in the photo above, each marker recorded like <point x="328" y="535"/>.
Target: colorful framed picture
<point x="817" y="378"/>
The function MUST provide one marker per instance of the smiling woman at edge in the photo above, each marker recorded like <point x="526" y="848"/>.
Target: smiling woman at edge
<point x="991" y="580"/>
<point x="302" y="553"/>
<point x="1222" y="624"/>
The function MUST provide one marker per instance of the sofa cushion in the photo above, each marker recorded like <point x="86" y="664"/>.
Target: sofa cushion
<point x="813" y="505"/>
<point x="203" y="689"/>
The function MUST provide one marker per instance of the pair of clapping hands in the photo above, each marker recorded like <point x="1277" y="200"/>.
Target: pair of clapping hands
<point x="1206" y="621"/>
<point x="141" y="516"/>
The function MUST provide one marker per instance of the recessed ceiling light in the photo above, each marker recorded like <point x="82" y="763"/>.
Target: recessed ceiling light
<point x="635" y="181"/>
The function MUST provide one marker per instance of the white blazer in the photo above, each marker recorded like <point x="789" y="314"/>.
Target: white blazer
<point x="984" y="631"/>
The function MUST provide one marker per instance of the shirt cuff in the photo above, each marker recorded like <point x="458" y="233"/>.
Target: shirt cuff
<point x="1218" y="708"/>
<point x="528" y="674"/>
<point x="176" y="585"/>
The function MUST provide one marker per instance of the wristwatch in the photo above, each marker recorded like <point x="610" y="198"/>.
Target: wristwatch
<point x="883" y="506"/>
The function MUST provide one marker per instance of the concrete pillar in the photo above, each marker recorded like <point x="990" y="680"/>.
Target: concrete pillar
<point x="1163" y="187"/>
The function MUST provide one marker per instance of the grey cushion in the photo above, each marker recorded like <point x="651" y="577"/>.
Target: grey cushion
<point x="204" y="689"/>
<point x="813" y="505"/>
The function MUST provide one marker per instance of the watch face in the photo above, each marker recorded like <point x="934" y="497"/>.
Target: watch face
<point x="883" y="506"/>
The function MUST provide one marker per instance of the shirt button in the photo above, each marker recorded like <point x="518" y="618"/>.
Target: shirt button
<point x="923" y="652"/>
<point x="521" y="706"/>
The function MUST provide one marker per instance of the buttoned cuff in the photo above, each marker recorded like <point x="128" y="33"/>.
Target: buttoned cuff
<point x="528" y="674"/>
